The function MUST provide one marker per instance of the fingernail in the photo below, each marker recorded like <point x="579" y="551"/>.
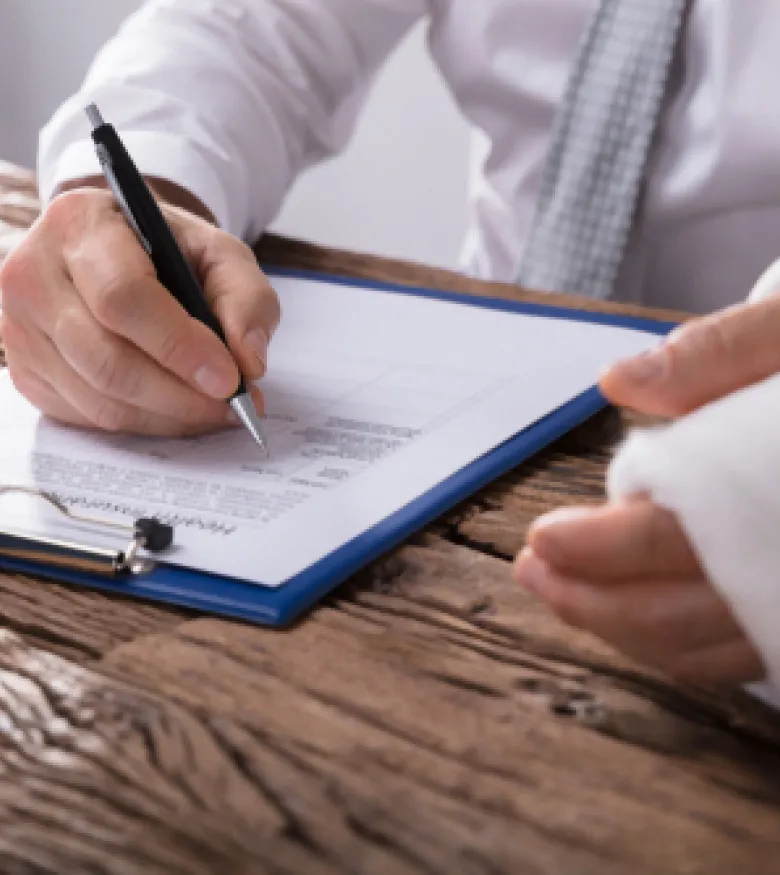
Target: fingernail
<point x="215" y="383"/>
<point x="563" y="516"/>
<point x="649" y="367"/>
<point x="257" y="341"/>
<point x="530" y="572"/>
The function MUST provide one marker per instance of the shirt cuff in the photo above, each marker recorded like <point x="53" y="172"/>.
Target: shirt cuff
<point x="154" y="154"/>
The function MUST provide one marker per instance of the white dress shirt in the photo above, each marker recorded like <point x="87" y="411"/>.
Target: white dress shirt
<point x="234" y="98"/>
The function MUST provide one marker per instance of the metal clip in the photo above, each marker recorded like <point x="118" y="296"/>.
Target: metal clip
<point x="146" y="534"/>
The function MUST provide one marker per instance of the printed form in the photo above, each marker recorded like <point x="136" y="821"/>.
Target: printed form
<point x="372" y="399"/>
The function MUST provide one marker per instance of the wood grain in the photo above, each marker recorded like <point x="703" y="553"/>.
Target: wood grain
<point x="75" y="622"/>
<point x="428" y="718"/>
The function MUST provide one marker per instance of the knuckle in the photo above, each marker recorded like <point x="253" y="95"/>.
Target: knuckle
<point x="101" y="361"/>
<point x="708" y="337"/>
<point x="717" y="337"/>
<point x="112" y="301"/>
<point x="71" y="208"/>
<point x="23" y="381"/>
<point x="14" y="338"/>
<point x="180" y="218"/>
<point x="174" y="346"/>
<point x="20" y="353"/>
<point x="106" y="373"/>
<point x="19" y="277"/>
<point x="16" y="268"/>
<point x="27" y="384"/>
<point x="66" y="211"/>
<point x="67" y="329"/>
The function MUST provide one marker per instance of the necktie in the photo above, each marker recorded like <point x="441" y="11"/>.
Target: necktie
<point x="601" y="146"/>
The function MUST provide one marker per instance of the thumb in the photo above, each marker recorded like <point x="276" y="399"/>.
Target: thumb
<point x="700" y="361"/>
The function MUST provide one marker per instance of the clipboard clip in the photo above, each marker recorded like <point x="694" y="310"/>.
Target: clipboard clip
<point x="146" y="533"/>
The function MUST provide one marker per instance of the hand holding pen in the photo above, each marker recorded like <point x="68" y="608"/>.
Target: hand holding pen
<point x="94" y="338"/>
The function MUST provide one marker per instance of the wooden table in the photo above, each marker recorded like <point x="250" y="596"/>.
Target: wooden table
<point x="429" y="718"/>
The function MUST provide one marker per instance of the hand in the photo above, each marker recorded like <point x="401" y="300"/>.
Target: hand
<point x="626" y="572"/>
<point x="701" y="361"/>
<point x="93" y="339"/>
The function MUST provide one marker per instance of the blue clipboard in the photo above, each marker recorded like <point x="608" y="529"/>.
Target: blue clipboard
<point x="282" y="605"/>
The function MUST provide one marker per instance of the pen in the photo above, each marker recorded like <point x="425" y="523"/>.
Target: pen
<point x="174" y="272"/>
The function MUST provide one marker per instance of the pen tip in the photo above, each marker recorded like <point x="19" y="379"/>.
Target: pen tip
<point x="244" y="408"/>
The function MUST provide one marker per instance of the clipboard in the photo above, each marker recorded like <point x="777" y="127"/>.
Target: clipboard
<point x="280" y="606"/>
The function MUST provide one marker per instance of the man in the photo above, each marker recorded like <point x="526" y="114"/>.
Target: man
<point x="224" y="103"/>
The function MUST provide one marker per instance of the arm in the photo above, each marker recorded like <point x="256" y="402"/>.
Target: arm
<point x="714" y="468"/>
<point x="715" y="471"/>
<point x="221" y="103"/>
<point x="680" y="570"/>
<point x="230" y="99"/>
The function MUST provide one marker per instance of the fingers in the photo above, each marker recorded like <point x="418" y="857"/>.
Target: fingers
<point x="124" y="296"/>
<point x="243" y="299"/>
<point x="627" y="574"/>
<point x="679" y="627"/>
<point x="616" y="542"/>
<point x="42" y="396"/>
<point x="117" y="369"/>
<point x="95" y="339"/>
<point x="700" y="362"/>
<point x="727" y="664"/>
<point x="74" y="400"/>
<point x="641" y="615"/>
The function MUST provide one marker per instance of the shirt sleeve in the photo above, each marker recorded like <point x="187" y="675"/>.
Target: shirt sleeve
<point x="231" y="99"/>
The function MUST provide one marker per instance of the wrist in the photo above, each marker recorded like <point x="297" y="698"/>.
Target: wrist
<point x="164" y="190"/>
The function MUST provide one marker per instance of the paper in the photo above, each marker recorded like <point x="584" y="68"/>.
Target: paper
<point x="372" y="397"/>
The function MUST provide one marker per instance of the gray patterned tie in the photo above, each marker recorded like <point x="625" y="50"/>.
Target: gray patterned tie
<point x="600" y="147"/>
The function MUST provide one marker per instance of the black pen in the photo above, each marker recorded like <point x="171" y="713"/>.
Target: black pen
<point x="174" y="272"/>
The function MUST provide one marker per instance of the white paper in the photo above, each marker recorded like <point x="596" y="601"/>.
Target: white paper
<point x="372" y="398"/>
